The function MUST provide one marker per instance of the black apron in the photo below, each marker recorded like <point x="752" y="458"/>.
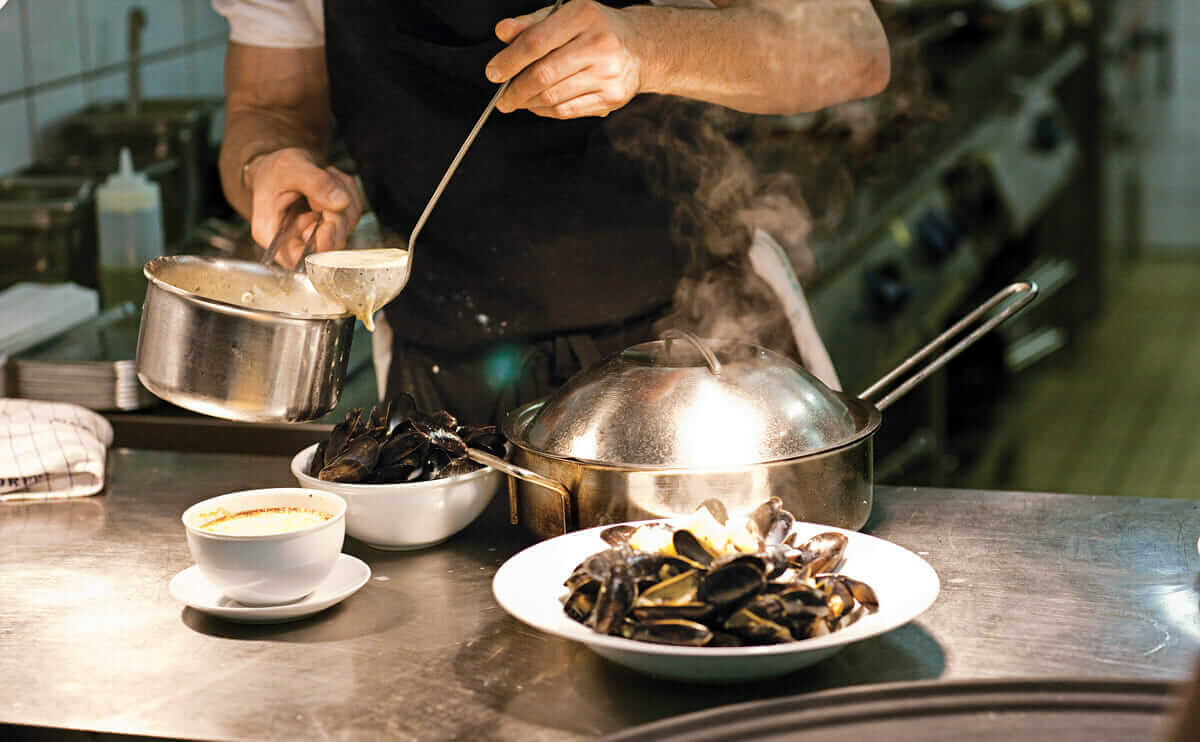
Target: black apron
<point x="546" y="250"/>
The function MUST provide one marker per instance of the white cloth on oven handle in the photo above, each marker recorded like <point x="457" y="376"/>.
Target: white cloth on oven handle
<point x="770" y="261"/>
<point x="51" y="450"/>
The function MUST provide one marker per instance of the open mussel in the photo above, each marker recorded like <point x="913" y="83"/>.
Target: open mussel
<point x="677" y="631"/>
<point x="699" y="584"/>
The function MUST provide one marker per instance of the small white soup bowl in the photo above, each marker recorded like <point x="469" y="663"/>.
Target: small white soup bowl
<point x="407" y="515"/>
<point x="274" y="568"/>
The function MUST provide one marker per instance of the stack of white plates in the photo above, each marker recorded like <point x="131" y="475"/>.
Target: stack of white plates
<point x="92" y="365"/>
<point x="31" y="313"/>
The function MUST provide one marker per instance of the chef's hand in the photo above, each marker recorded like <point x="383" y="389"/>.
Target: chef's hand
<point x="278" y="178"/>
<point x="579" y="61"/>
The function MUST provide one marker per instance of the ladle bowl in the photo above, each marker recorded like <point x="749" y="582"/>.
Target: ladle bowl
<point x="362" y="280"/>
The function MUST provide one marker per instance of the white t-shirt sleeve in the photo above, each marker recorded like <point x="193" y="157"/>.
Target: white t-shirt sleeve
<point x="289" y="24"/>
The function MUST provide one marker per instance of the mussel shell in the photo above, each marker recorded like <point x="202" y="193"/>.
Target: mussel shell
<point x="600" y="565"/>
<point x="689" y="547"/>
<point x="355" y="464"/>
<point x="821" y="553"/>
<point x="716" y="509"/>
<point x="614" y="600"/>
<point x="804" y="600"/>
<point x="682" y="588"/>
<point x="837" y="594"/>
<point x="780" y="528"/>
<point x="379" y="420"/>
<point x="657" y="566"/>
<point x="725" y="639"/>
<point x="340" y="436"/>
<point x="448" y="441"/>
<point x="764" y="515"/>
<point x="769" y="606"/>
<point x="807" y="626"/>
<point x="862" y="593"/>
<point x="695" y="611"/>
<point x="456" y="467"/>
<point x="755" y="629"/>
<point x="436" y="422"/>
<point x="486" y="438"/>
<point x="404" y="409"/>
<point x="346" y="472"/>
<point x="395" y="474"/>
<point x="435" y="462"/>
<point x="582" y="601"/>
<point x="318" y="460"/>
<point x="409" y="448"/>
<point x="614" y="535"/>
<point x="850" y="617"/>
<point x="680" y="632"/>
<point x="732" y="583"/>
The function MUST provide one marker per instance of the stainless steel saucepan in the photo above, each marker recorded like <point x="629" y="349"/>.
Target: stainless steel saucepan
<point x="240" y="340"/>
<point x="660" y="427"/>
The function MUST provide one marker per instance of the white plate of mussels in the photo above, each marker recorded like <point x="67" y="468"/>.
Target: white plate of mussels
<point x="723" y="602"/>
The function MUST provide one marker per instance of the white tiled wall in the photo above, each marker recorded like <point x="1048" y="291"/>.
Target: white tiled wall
<point x="1171" y="165"/>
<point x="58" y="56"/>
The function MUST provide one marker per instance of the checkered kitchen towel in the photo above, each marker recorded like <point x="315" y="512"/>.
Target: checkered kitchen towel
<point x="51" y="450"/>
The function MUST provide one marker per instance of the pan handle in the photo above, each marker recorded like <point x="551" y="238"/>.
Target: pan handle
<point x="520" y="472"/>
<point x="1025" y="290"/>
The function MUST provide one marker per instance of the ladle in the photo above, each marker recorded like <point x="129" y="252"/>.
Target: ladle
<point x="368" y="284"/>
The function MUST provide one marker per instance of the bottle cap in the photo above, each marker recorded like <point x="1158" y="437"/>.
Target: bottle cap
<point x="127" y="189"/>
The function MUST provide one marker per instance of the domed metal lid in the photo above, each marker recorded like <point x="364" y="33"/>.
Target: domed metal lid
<point x="684" y="402"/>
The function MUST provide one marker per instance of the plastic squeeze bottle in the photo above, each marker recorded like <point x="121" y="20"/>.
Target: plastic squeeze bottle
<point x="130" y="229"/>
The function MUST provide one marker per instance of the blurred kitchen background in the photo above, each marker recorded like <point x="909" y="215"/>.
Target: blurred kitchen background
<point x="1051" y="140"/>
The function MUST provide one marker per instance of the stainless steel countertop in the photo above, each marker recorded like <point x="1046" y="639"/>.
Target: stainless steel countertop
<point x="1033" y="585"/>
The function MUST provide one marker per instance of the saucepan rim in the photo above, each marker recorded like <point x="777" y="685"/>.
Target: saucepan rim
<point x="225" y="307"/>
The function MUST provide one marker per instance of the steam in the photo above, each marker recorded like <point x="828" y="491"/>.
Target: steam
<point x="727" y="174"/>
<point x="693" y="158"/>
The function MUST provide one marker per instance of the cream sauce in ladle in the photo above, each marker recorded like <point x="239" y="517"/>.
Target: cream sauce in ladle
<point x="361" y="280"/>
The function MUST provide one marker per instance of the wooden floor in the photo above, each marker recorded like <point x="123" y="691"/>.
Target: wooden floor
<point x="1120" y="414"/>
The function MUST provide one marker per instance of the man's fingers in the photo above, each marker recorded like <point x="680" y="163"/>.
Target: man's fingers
<point x="510" y="28"/>
<point x="541" y="77"/>
<point x="566" y="88"/>
<point x="289" y="254"/>
<point x="535" y="41"/>
<point x="589" y="104"/>
<point x="322" y="188"/>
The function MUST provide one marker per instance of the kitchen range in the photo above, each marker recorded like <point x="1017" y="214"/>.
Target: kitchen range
<point x="691" y="538"/>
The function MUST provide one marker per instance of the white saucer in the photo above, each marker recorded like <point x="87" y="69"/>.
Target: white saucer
<point x="348" y="575"/>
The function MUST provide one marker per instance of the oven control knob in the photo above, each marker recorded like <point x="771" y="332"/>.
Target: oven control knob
<point x="1047" y="133"/>
<point x="937" y="234"/>
<point x="886" y="287"/>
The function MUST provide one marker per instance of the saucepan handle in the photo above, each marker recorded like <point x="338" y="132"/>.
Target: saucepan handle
<point x="288" y="231"/>
<point x="520" y="472"/>
<point x="1025" y="291"/>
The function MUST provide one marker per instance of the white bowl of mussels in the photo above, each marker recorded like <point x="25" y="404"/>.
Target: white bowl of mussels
<point x="403" y="489"/>
<point x="714" y="599"/>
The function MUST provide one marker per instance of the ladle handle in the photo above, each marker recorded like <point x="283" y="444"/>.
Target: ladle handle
<point x="706" y="352"/>
<point x="1025" y="290"/>
<point x="520" y="472"/>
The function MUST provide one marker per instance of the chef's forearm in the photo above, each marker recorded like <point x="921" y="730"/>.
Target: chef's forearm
<point x="765" y="56"/>
<point x="275" y="98"/>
